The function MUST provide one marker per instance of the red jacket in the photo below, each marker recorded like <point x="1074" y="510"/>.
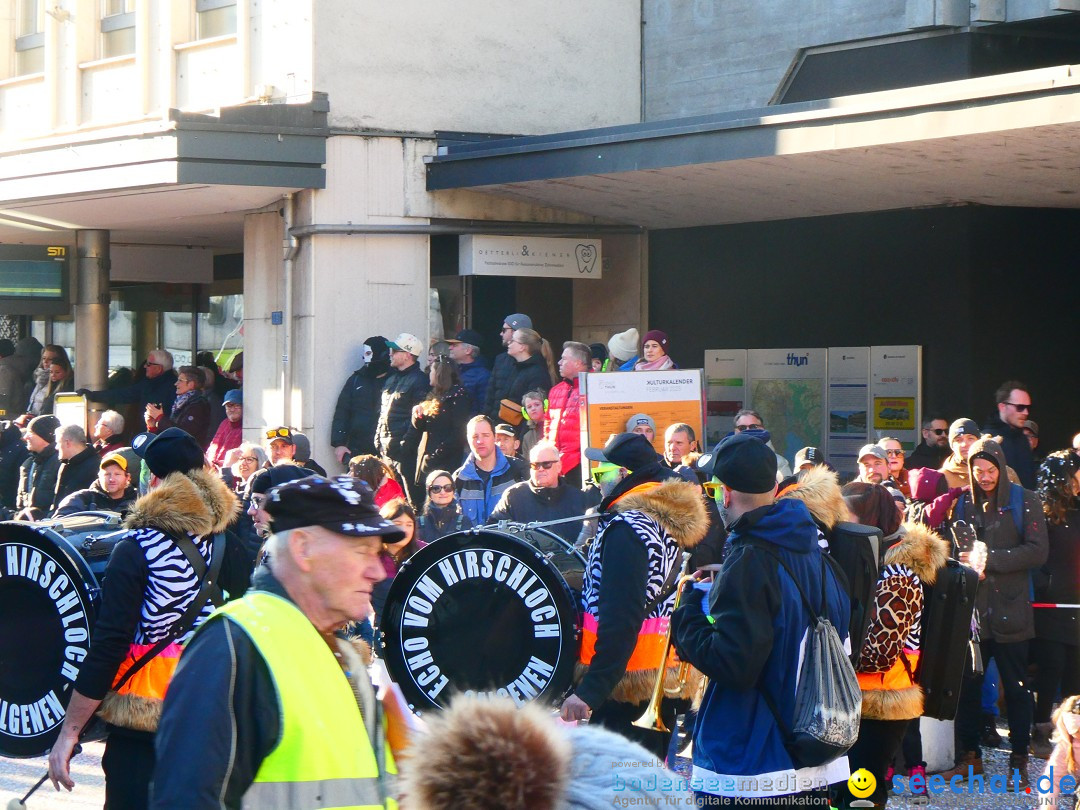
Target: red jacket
<point x="564" y="423"/>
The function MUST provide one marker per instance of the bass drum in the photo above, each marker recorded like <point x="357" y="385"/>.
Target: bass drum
<point x="568" y="560"/>
<point x="480" y="612"/>
<point x="50" y="576"/>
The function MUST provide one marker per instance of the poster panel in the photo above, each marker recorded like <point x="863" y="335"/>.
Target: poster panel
<point x="609" y="400"/>
<point x="725" y="391"/>
<point x="849" y="405"/>
<point x="787" y="387"/>
<point x="896" y="393"/>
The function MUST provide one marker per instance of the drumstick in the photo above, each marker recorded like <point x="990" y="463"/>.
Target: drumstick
<point x="19" y="804"/>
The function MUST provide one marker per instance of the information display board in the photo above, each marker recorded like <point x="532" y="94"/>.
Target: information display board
<point x="70" y="409"/>
<point x="787" y="387"/>
<point x="895" y="386"/>
<point x="725" y="381"/>
<point x="849" y="405"/>
<point x="609" y="400"/>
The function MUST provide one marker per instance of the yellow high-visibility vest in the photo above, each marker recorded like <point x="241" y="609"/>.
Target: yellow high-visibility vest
<point x="323" y="757"/>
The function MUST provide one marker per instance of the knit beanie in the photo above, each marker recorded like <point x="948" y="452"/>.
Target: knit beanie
<point x="494" y="754"/>
<point x="658" y="336"/>
<point x="624" y="345"/>
<point x="44" y="427"/>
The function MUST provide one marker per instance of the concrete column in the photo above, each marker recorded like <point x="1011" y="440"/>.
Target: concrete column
<point x="144" y="334"/>
<point x="92" y="309"/>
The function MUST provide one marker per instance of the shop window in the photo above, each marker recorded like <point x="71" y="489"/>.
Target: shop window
<point x="221" y="330"/>
<point x="215" y="18"/>
<point x="29" y="37"/>
<point x="117" y="28"/>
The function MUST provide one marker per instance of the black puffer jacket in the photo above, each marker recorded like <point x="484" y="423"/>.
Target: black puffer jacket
<point x="78" y="472"/>
<point x="530" y="374"/>
<point x="13" y="453"/>
<point x="357" y="412"/>
<point x="525" y="503"/>
<point x="37" y="483"/>
<point x="95" y="499"/>
<point x="402" y="392"/>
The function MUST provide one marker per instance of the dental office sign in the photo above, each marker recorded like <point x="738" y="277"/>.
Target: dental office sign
<point x="535" y="256"/>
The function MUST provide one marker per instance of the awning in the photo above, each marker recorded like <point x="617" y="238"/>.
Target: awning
<point x="187" y="180"/>
<point x="1006" y="140"/>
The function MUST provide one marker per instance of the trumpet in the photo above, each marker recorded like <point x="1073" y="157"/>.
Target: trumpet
<point x="650" y="719"/>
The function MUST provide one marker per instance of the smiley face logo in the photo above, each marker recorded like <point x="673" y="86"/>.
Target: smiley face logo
<point x="861" y="783"/>
<point x="586" y="258"/>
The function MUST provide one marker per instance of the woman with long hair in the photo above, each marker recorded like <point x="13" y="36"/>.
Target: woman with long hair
<point x="911" y="556"/>
<point x="50" y="378"/>
<point x="372" y="471"/>
<point x="1056" y="648"/>
<point x="442" y="513"/>
<point x="440" y="419"/>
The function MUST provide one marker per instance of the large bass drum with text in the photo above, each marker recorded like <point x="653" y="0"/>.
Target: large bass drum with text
<point x="484" y="612"/>
<point x="50" y="574"/>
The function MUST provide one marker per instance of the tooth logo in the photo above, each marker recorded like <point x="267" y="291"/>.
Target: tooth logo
<point x="586" y="258"/>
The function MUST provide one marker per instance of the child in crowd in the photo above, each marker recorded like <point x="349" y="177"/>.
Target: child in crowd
<point x="1063" y="761"/>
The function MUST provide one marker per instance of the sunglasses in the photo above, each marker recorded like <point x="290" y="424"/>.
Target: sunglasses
<point x="1021" y="408"/>
<point x="894" y="452"/>
<point x="599" y="476"/>
<point x="542" y="465"/>
<point x="436" y="488"/>
<point x="938" y="431"/>
<point x="148" y="364"/>
<point x="741" y="428"/>
<point x="279" y="433"/>
<point x="714" y="489"/>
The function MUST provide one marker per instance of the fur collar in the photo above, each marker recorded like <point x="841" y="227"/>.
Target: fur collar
<point x="676" y="505"/>
<point x="196" y="502"/>
<point x="819" y="489"/>
<point x="921" y="550"/>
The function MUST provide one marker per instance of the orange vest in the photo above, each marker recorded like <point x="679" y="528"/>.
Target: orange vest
<point x="898" y="677"/>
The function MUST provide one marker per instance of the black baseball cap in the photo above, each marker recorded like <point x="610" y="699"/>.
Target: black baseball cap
<point x="343" y="504"/>
<point x="470" y="336"/>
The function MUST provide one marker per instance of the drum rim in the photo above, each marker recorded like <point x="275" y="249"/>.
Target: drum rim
<point x="393" y="609"/>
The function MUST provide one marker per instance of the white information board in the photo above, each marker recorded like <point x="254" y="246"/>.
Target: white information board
<point x="725" y="387"/>
<point x="849" y="405"/>
<point x="896" y="393"/>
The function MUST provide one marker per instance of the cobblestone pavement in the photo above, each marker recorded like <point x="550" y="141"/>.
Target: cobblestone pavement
<point x="19" y="775"/>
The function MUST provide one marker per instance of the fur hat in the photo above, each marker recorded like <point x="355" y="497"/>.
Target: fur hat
<point x="493" y="754"/>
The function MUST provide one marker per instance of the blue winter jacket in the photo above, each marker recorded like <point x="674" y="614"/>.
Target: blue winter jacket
<point x="475" y="376"/>
<point x="478" y="498"/>
<point x="752" y="643"/>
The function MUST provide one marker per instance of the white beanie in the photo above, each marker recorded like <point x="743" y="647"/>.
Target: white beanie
<point x="624" y="345"/>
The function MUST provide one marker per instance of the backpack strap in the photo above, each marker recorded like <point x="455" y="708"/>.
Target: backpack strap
<point x="785" y="729"/>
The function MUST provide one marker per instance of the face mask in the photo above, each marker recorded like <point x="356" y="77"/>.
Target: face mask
<point x="367" y="355"/>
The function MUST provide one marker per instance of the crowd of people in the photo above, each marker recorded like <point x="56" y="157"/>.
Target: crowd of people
<point x="464" y="443"/>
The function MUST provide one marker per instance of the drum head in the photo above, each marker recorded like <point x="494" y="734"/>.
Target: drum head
<point x="48" y="604"/>
<point x="567" y="560"/>
<point x="481" y="613"/>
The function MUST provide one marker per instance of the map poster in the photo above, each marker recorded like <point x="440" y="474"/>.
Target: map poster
<point x="896" y="392"/>
<point x="725" y="387"/>
<point x="609" y="400"/>
<point x="787" y="387"/>
<point x="849" y="403"/>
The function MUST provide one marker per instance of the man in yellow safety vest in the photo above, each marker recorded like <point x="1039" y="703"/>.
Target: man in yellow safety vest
<point x="270" y="706"/>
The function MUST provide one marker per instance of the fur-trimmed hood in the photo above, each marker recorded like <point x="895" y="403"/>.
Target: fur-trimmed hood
<point x="675" y="504"/>
<point x="819" y="489"/>
<point x="920" y="549"/>
<point x="197" y="502"/>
